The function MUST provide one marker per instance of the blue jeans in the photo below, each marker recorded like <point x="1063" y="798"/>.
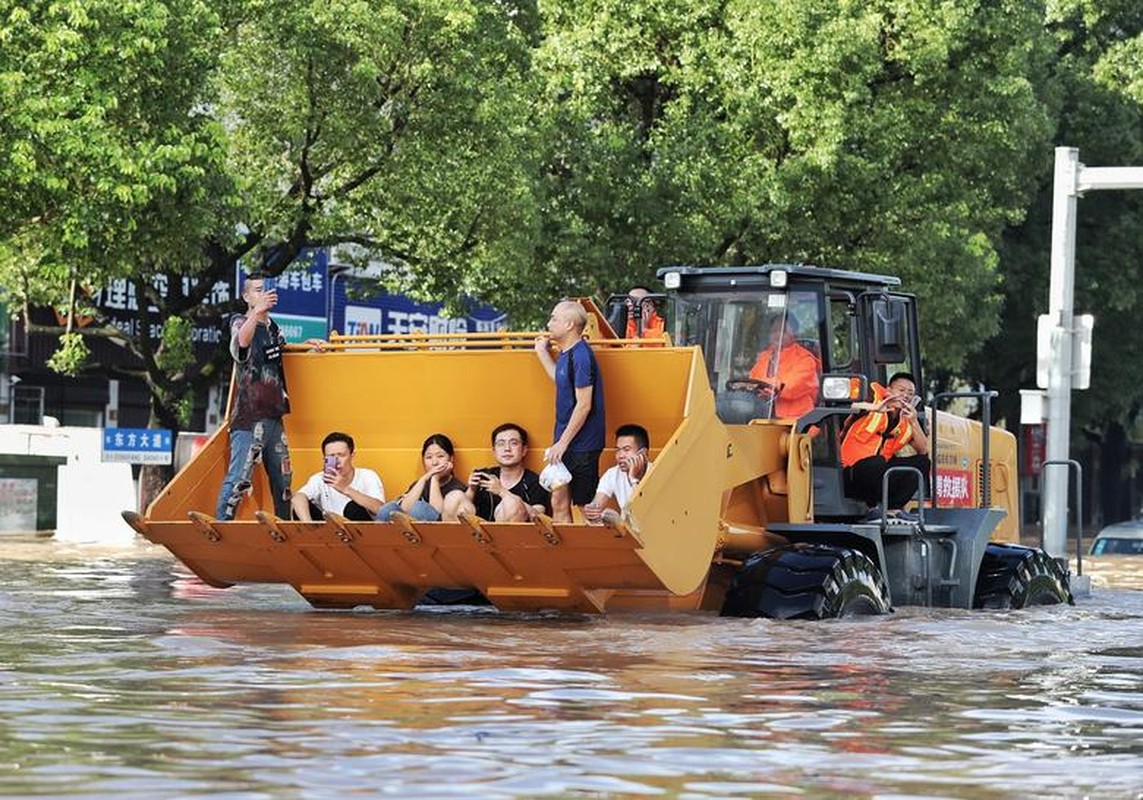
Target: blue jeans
<point x="421" y="511"/>
<point x="265" y="442"/>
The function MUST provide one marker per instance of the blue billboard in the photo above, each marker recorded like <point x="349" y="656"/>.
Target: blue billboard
<point x="360" y="308"/>
<point x="314" y="300"/>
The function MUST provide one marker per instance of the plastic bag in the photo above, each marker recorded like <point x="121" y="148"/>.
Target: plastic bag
<point x="554" y="476"/>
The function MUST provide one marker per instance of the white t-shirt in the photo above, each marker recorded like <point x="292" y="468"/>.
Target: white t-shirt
<point x="327" y="498"/>
<point x="618" y="484"/>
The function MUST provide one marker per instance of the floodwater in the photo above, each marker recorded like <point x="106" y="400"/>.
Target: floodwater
<point x="122" y="676"/>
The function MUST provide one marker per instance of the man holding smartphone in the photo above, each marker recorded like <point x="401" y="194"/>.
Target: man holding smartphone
<point x="618" y="484"/>
<point x="260" y="402"/>
<point x="353" y="492"/>
<point x="875" y="440"/>
<point x="509" y="491"/>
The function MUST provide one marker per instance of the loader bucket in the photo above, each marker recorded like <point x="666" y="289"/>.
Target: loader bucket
<point x="389" y="393"/>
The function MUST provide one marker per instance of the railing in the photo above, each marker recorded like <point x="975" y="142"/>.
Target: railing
<point x="1071" y="462"/>
<point x="985" y="398"/>
<point x="885" y="494"/>
<point x="498" y="340"/>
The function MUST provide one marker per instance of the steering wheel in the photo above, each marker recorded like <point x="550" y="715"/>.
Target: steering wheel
<point x="749" y="385"/>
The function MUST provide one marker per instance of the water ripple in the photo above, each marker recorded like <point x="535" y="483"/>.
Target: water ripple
<point x="125" y="677"/>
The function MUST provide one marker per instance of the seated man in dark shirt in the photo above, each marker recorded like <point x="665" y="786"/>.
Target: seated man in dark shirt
<point x="507" y="492"/>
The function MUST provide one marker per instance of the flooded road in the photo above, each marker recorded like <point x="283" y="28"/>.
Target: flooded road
<point x="120" y="675"/>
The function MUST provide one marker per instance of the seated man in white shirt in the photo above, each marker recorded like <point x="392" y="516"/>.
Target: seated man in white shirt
<point x="618" y="484"/>
<point x="353" y="492"/>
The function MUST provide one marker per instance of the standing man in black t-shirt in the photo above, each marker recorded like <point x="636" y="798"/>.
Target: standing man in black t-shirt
<point x="509" y="491"/>
<point x="260" y="401"/>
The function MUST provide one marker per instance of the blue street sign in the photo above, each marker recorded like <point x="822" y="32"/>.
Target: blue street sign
<point x="137" y="445"/>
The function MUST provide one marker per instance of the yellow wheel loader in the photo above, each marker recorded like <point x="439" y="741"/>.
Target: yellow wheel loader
<point x="740" y="513"/>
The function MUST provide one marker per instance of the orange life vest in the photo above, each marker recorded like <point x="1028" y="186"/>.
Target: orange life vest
<point x="653" y="327"/>
<point x="796" y="376"/>
<point x="870" y="434"/>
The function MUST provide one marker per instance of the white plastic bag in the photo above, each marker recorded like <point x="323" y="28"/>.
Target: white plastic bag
<point x="554" y="476"/>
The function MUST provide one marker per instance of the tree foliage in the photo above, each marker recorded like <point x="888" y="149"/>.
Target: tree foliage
<point x="513" y="153"/>
<point x="1097" y="72"/>
<point x="894" y="137"/>
<point x="399" y="126"/>
<point x="103" y="160"/>
<point x="179" y="137"/>
<point x="109" y="163"/>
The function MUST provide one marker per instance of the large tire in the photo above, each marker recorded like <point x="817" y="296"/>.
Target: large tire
<point x="807" y="581"/>
<point x="1013" y="576"/>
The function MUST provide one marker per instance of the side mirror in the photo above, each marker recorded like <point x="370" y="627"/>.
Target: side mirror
<point x="889" y="331"/>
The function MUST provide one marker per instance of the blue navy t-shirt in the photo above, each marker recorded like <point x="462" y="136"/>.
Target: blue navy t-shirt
<point x="578" y="366"/>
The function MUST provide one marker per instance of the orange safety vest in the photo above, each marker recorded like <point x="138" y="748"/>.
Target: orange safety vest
<point x="652" y="328"/>
<point x="870" y="434"/>
<point x="797" y="377"/>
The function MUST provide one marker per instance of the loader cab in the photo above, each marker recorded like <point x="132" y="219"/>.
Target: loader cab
<point x="738" y="320"/>
<point x="853" y="323"/>
<point x="857" y="326"/>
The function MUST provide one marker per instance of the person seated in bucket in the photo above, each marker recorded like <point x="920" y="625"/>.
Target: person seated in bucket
<point x="618" y="484"/>
<point x="509" y="491"/>
<point x="341" y="487"/>
<point x="437" y="494"/>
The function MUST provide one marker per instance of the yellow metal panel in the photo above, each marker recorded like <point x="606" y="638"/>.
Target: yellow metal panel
<point x="675" y="509"/>
<point x="960" y="448"/>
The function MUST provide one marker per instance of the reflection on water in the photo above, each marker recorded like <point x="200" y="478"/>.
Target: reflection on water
<point x="121" y="675"/>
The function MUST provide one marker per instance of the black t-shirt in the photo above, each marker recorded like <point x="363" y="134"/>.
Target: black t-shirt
<point x="528" y="489"/>
<point x="450" y="486"/>
<point x="261" y="390"/>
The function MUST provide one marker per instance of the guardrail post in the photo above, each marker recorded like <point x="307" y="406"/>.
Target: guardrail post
<point x="1073" y="464"/>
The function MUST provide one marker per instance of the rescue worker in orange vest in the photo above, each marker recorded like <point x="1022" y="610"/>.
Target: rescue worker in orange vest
<point x="643" y="320"/>
<point x="872" y="441"/>
<point x="789" y="372"/>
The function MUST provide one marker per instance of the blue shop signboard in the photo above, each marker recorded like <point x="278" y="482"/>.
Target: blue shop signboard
<point x="313" y="300"/>
<point x="136" y="445"/>
<point x="360" y="308"/>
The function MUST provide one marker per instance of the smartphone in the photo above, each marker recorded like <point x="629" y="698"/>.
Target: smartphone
<point x="269" y="284"/>
<point x="331" y="464"/>
<point x="915" y="401"/>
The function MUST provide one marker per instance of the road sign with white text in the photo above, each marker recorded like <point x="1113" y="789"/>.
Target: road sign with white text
<point x="136" y="445"/>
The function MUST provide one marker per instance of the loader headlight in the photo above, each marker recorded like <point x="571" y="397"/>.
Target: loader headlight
<point x="672" y="280"/>
<point x="842" y="387"/>
<point x="779" y="278"/>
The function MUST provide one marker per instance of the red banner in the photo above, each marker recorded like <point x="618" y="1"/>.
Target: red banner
<point x="955" y="488"/>
<point x="1035" y="445"/>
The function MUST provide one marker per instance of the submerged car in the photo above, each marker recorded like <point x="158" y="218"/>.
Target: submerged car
<point x="1120" y="539"/>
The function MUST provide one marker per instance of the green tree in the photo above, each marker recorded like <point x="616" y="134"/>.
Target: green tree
<point x="250" y="131"/>
<point x="1097" y="78"/>
<point x="108" y="164"/>
<point x="891" y="137"/>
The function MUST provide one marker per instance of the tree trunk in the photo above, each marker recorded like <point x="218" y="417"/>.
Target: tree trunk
<point x="153" y="477"/>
